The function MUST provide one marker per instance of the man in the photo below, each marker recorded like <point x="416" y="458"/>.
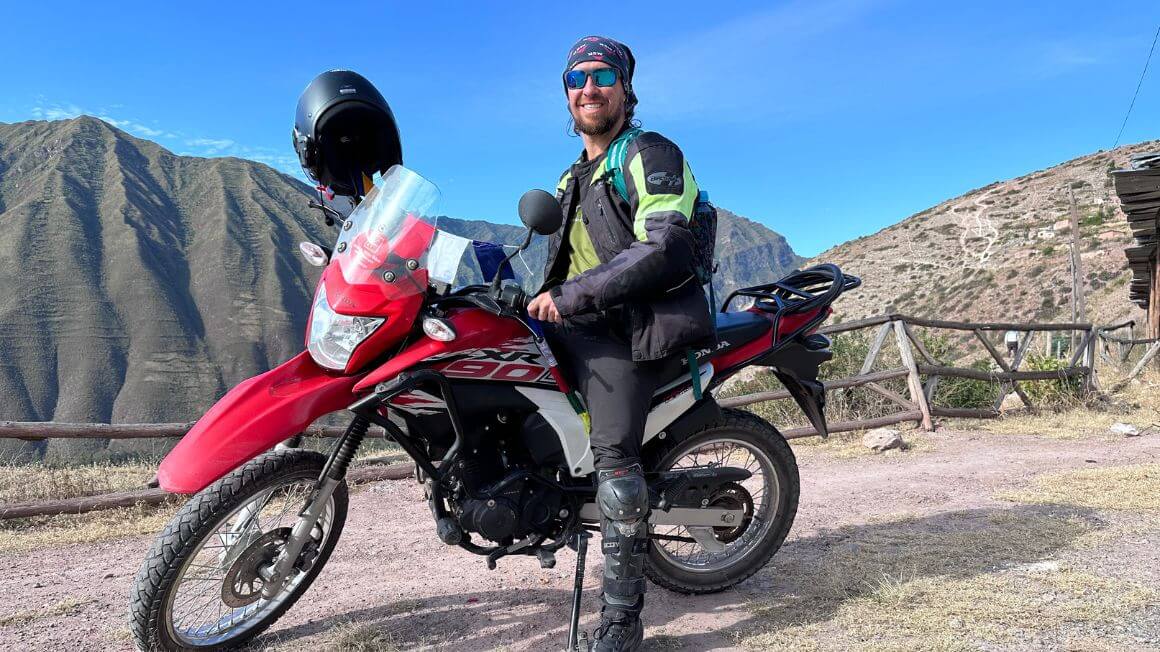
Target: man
<point x="621" y="287"/>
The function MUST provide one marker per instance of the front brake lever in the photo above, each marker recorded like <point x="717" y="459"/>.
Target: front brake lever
<point x="330" y="215"/>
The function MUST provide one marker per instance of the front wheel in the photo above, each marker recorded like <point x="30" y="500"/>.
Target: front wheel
<point x="199" y="587"/>
<point x="769" y="498"/>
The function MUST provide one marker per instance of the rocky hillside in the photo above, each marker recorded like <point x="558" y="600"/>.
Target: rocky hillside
<point x="140" y="285"/>
<point x="1001" y="252"/>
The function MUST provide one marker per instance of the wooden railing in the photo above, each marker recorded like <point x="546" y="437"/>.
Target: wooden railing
<point x="1125" y="345"/>
<point x="918" y="404"/>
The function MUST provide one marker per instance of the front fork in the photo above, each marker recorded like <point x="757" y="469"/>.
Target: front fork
<point x="275" y="574"/>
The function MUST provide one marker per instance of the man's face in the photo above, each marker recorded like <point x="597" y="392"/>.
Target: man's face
<point x="596" y="110"/>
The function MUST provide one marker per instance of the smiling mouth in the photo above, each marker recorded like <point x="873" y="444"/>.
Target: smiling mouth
<point x="592" y="106"/>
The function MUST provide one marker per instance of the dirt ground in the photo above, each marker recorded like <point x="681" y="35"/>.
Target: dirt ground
<point x="944" y="546"/>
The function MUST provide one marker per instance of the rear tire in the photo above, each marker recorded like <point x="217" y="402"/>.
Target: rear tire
<point x="198" y="527"/>
<point x="748" y="551"/>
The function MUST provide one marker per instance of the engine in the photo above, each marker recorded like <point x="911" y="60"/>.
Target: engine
<point x="504" y="504"/>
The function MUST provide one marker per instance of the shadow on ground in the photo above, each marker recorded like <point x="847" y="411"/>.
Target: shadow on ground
<point x="807" y="582"/>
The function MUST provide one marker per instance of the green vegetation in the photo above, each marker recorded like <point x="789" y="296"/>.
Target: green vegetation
<point x="1096" y="216"/>
<point x="1057" y="393"/>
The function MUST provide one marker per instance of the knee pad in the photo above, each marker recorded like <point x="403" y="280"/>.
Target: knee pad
<point x="622" y="494"/>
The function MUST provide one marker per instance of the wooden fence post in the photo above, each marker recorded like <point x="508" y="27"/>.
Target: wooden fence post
<point x="913" y="382"/>
<point x="1148" y="355"/>
<point x="1093" y="382"/>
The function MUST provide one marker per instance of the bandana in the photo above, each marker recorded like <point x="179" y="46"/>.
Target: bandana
<point x="602" y="48"/>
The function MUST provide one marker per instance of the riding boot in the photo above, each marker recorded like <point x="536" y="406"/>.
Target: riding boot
<point x="622" y="495"/>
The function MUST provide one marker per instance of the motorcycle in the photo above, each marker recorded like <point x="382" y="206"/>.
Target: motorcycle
<point x="463" y="380"/>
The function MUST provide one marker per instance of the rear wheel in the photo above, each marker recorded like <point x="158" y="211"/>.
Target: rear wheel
<point x="768" y="499"/>
<point x="199" y="587"/>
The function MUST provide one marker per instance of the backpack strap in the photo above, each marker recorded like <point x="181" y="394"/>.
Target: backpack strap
<point x="614" y="160"/>
<point x="694" y="373"/>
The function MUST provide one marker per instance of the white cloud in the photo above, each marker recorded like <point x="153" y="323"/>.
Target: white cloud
<point x="135" y="128"/>
<point x="211" y="146"/>
<point x="177" y="140"/>
<point x="56" y="112"/>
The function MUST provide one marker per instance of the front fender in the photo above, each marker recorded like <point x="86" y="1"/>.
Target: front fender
<point x="250" y="419"/>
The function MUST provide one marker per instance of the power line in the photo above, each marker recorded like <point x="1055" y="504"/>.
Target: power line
<point x="1138" y="85"/>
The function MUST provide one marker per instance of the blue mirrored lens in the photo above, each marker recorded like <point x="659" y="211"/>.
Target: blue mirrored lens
<point x="575" y="78"/>
<point x="604" y="77"/>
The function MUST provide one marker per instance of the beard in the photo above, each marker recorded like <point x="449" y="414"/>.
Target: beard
<point x="595" y="125"/>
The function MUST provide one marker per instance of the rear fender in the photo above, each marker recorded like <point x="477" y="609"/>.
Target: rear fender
<point x="796" y="364"/>
<point x="250" y="419"/>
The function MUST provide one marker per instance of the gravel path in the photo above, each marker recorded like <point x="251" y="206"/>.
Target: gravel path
<point x="391" y="575"/>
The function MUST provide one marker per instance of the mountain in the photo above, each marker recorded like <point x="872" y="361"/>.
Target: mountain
<point x="1001" y="252"/>
<point x="140" y="285"/>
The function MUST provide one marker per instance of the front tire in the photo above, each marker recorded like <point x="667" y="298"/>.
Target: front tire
<point x="196" y="589"/>
<point x="770" y="497"/>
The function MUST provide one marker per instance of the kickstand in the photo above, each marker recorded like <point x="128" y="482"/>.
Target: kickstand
<point x="577" y="592"/>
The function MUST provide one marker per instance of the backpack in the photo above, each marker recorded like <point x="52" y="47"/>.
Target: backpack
<point x="703" y="223"/>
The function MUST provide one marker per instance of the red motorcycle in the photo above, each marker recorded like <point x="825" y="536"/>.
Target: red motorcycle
<point x="463" y="380"/>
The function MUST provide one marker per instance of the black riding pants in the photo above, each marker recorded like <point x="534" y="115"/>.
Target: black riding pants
<point x="596" y="356"/>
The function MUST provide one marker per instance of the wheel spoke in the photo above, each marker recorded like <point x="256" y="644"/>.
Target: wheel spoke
<point x="761" y="483"/>
<point x="197" y="611"/>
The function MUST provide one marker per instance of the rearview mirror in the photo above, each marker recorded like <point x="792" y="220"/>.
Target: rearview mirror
<point x="540" y="212"/>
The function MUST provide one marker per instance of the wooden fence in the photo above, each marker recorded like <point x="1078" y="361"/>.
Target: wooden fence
<point x="918" y="405"/>
<point x="1125" y="345"/>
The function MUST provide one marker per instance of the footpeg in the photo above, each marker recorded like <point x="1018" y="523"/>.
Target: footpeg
<point x="547" y="558"/>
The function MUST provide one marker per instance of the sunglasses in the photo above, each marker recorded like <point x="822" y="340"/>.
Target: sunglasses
<point x="602" y="77"/>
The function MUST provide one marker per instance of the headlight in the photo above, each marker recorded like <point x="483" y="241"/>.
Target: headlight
<point x="333" y="337"/>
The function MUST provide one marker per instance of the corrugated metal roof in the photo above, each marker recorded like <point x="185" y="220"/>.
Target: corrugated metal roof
<point x="1139" y="191"/>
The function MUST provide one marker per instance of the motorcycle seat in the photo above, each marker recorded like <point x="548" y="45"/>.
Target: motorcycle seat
<point x="734" y="329"/>
<point x="737" y="328"/>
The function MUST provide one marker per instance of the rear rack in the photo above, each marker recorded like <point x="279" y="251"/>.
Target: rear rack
<point x="802" y="291"/>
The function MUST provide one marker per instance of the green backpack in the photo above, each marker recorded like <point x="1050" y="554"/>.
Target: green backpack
<point x="703" y="223"/>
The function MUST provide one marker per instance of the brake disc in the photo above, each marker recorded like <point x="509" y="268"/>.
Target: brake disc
<point x="242" y="585"/>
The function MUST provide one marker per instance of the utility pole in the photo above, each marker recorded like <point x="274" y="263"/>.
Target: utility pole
<point x="1077" y="299"/>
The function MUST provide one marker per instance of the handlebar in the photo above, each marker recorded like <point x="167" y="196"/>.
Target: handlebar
<point x="513" y="296"/>
<point x="509" y="300"/>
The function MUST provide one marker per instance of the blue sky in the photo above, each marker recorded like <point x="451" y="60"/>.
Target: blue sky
<point x="823" y="119"/>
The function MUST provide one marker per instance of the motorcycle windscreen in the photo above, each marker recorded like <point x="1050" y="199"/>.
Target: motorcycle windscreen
<point x="395" y="244"/>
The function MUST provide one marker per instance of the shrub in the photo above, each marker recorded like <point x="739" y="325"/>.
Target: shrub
<point x="966" y="392"/>
<point x="1056" y="393"/>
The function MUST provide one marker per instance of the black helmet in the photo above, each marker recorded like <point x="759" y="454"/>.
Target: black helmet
<point x="344" y="129"/>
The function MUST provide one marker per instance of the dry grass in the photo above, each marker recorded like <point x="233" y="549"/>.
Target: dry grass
<point x="360" y="637"/>
<point x="28" y="534"/>
<point x="354" y="636"/>
<point x="29" y="482"/>
<point x="966" y="582"/>
<point x="25" y="616"/>
<point x="1133" y="488"/>
<point x="1137" y="404"/>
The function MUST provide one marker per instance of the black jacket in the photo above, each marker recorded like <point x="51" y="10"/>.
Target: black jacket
<point x="645" y="250"/>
